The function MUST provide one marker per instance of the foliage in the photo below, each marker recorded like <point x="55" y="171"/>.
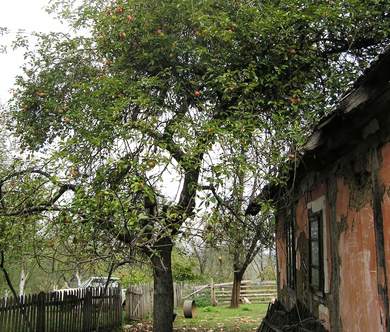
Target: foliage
<point x="161" y="89"/>
<point x="34" y="237"/>
<point x="183" y="267"/>
<point x="268" y="273"/>
<point x="182" y="270"/>
<point x="135" y="275"/>
<point x="234" y="66"/>
<point x="203" y="299"/>
<point x="229" y="225"/>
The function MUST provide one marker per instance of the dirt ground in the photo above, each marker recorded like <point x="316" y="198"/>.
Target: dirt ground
<point x="145" y="327"/>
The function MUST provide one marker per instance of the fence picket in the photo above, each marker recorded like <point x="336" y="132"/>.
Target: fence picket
<point x="19" y="314"/>
<point x="2" y="305"/>
<point x="76" y="311"/>
<point x="13" y="319"/>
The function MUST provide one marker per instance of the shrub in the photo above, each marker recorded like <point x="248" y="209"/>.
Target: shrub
<point x="203" y="299"/>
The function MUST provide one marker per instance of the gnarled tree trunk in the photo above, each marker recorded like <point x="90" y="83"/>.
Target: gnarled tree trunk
<point x="236" y="290"/>
<point x="163" y="287"/>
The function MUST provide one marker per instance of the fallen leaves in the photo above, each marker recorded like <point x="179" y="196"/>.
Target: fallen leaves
<point x="147" y="327"/>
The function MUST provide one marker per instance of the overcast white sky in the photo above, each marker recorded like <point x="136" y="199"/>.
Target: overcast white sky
<point x="21" y="14"/>
<point x="30" y="15"/>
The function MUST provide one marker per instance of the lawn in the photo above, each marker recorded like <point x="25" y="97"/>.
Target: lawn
<point x="246" y="318"/>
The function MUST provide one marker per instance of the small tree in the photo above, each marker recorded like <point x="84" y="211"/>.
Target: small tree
<point x="243" y="235"/>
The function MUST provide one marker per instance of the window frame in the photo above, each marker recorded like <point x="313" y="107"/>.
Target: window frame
<point x="290" y="251"/>
<point x="312" y="218"/>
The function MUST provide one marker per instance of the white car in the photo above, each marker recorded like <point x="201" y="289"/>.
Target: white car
<point x="100" y="282"/>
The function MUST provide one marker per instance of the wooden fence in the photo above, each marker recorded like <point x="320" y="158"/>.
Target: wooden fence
<point x="254" y="291"/>
<point x="139" y="299"/>
<point x="81" y="310"/>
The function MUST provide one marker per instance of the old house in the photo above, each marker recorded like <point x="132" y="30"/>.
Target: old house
<point x="333" y="217"/>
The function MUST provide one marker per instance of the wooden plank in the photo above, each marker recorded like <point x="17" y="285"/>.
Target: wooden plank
<point x="49" y="314"/>
<point x="80" y="307"/>
<point x="9" y="314"/>
<point x="22" y="312"/>
<point x="197" y="291"/>
<point x="14" y="311"/>
<point x="31" y="315"/>
<point x="66" y="312"/>
<point x="6" y="315"/>
<point x="70" y="310"/>
<point x="41" y="312"/>
<point x="94" y="308"/>
<point x="61" y="321"/>
<point x="63" y="313"/>
<point x="111" y="309"/>
<point x="31" y="312"/>
<point x="78" y="329"/>
<point x="2" y="314"/>
<point x="77" y="311"/>
<point x="17" y="314"/>
<point x="26" y="308"/>
<point x="10" y="310"/>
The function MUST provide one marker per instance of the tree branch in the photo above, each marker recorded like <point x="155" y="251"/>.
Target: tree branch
<point x="223" y="203"/>
<point x="48" y="206"/>
<point x="11" y="287"/>
<point x="22" y="172"/>
<point x="342" y="46"/>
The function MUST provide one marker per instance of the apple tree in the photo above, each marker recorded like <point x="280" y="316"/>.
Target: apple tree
<point x="140" y="99"/>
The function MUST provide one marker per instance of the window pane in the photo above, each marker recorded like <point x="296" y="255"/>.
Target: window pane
<point x="290" y="251"/>
<point x="315" y="277"/>
<point x="314" y="229"/>
<point x="315" y="253"/>
<point x="316" y="249"/>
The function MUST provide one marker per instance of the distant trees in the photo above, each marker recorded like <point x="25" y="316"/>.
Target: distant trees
<point x="20" y="237"/>
<point x="38" y="246"/>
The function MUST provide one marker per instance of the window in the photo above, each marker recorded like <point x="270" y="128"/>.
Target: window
<point x="316" y="250"/>
<point x="290" y="251"/>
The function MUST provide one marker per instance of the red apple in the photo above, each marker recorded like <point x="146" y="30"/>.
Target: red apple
<point x="119" y="10"/>
<point x="295" y="100"/>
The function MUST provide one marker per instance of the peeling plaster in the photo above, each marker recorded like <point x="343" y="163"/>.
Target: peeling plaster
<point x="348" y="195"/>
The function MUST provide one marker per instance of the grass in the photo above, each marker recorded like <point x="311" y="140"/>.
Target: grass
<point x="243" y="319"/>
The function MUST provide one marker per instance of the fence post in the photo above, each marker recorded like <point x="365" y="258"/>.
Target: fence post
<point x="41" y="312"/>
<point x="127" y="304"/>
<point x="87" y="310"/>
<point x="212" y="293"/>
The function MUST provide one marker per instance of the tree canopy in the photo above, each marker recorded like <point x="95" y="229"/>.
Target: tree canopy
<point x="158" y="89"/>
